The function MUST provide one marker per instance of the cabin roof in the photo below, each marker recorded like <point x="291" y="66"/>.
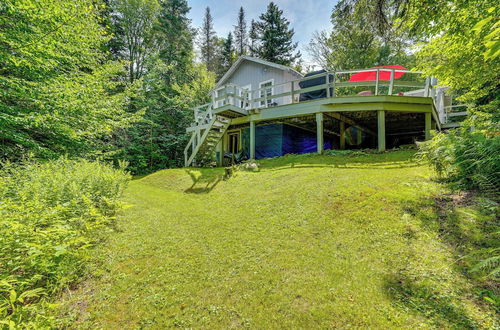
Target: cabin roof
<point x="243" y="58"/>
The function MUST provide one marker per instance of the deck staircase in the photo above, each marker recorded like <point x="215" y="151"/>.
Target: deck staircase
<point x="201" y="146"/>
<point x="454" y="115"/>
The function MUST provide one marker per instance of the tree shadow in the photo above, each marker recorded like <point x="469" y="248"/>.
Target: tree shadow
<point x="448" y="221"/>
<point x="204" y="180"/>
<point x="445" y="215"/>
<point x="423" y="299"/>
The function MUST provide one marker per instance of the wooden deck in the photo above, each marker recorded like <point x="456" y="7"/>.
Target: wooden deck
<point x="408" y="105"/>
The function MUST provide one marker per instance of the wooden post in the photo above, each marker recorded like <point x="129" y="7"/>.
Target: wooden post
<point x="292" y="90"/>
<point x="327" y="79"/>
<point x="252" y="139"/>
<point x="381" y="130"/>
<point x="333" y="84"/>
<point x="219" y="150"/>
<point x="342" y="135"/>
<point x="391" y="82"/>
<point x="319" y="132"/>
<point x="428" y="121"/>
<point x="376" y="82"/>
<point x="427" y="86"/>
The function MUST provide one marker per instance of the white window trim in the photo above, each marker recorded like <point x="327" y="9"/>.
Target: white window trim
<point x="248" y="88"/>
<point x="269" y="101"/>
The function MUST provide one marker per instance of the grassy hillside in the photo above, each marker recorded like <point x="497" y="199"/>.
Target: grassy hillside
<point x="308" y="241"/>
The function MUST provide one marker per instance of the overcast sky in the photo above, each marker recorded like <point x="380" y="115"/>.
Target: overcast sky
<point x="305" y="16"/>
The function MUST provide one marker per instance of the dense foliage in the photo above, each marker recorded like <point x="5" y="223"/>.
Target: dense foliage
<point x="58" y="94"/>
<point x="468" y="159"/>
<point x="170" y="82"/>
<point x="51" y="214"/>
<point x="133" y="22"/>
<point x="457" y="53"/>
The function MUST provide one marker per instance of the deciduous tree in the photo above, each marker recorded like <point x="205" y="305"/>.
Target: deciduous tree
<point x="59" y="94"/>
<point x="136" y="20"/>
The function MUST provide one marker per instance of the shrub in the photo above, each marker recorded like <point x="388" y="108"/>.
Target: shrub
<point x="467" y="158"/>
<point x="51" y="214"/>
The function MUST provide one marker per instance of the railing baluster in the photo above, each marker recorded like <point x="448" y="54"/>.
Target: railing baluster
<point x="391" y="83"/>
<point x="376" y="81"/>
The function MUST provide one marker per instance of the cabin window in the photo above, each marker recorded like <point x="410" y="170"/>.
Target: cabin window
<point x="266" y="89"/>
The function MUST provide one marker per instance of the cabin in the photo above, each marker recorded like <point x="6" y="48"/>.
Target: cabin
<point x="260" y="109"/>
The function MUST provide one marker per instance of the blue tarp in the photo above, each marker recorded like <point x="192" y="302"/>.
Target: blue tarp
<point x="275" y="140"/>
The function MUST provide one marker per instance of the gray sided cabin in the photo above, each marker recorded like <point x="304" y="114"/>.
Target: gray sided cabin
<point x="261" y="109"/>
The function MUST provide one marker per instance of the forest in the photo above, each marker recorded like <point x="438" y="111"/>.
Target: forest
<point x="95" y="91"/>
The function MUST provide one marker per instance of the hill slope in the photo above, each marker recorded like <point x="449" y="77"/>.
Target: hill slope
<point x="308" y="241"/>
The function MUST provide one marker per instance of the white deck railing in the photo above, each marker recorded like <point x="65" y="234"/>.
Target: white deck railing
<point x="336" y="84"/>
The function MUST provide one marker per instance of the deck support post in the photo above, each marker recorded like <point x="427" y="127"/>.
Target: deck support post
<point x="219" y="151"/>
<point x="342" y="135"/>
<point x="428" y="122"/>
<point x="252" y="139"/>
<point x="319" y="132"/>
<point x="381" y="130"/>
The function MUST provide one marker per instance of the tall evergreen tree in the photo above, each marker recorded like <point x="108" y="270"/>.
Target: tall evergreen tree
<point x="253" y="37"/>
<point x="208" y="41"/>
<point x="240" y="33"/>
<point x="275" y="38"/>
<point x="228" y="54"/>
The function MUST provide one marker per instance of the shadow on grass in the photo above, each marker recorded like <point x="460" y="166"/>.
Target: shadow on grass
<point x="204" y="180"/>
<point x="468" y="228"/>
<point x="462" y="220"/>
<point x="424" y="300"/>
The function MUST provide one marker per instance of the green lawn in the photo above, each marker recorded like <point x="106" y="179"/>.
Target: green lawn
<point x="308" y="241"/>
